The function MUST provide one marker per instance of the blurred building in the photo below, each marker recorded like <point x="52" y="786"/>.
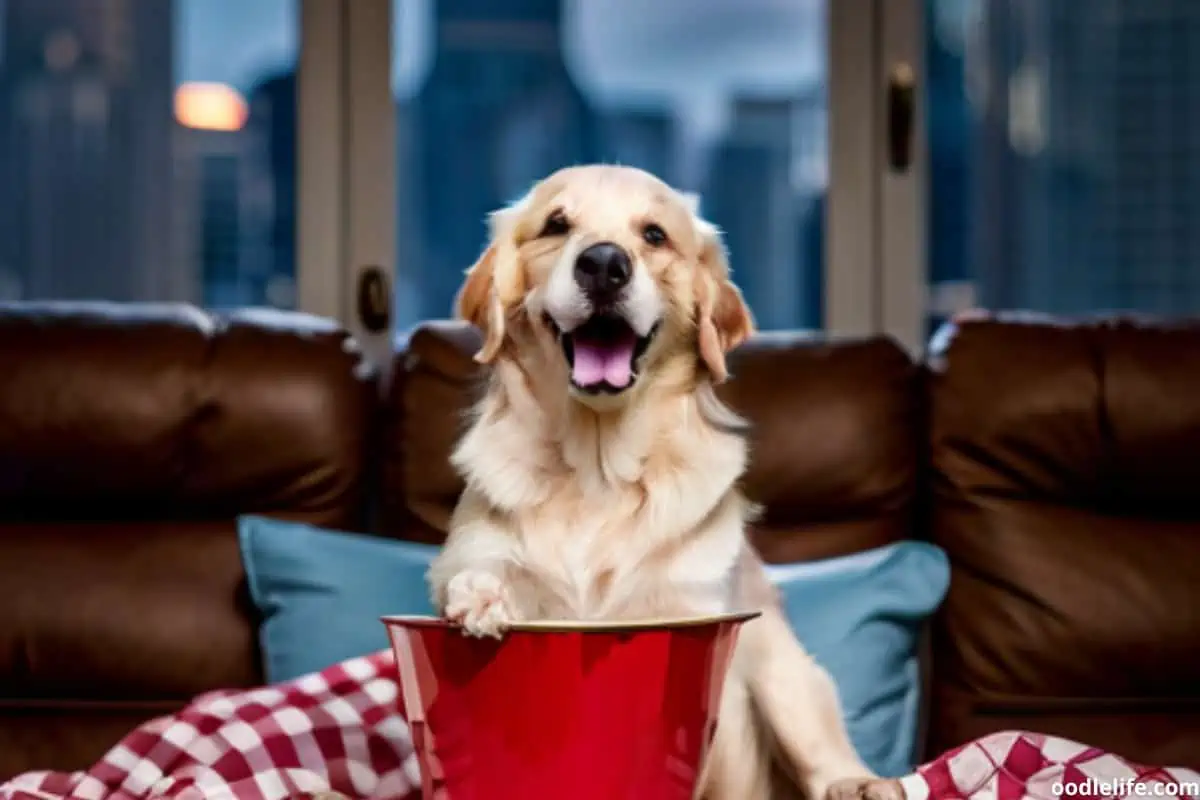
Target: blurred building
<point x="1083" y="156"/>
<point x="272" y="168"/>
<point x="749" y="194"/>
<point x="497" y="112"/>
<point x="112" y="189"/>
<point x="234" y="209"/>
<point x="85" y="151"/>
<point x="645" y="137"/>
<point x="500" y="110"/>
<point x="949" y="122"/>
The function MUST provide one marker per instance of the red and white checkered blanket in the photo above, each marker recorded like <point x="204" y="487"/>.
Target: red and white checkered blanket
<point x="1018" y="765"/>
<point x="338" y="730"/>
<point x="333" y="730"/>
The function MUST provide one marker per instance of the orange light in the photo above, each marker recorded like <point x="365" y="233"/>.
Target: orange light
<point x="210" y="107"/>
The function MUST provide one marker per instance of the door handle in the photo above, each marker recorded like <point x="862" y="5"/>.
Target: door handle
<point x="374" y="300"/>
<point x="901" y="112"/>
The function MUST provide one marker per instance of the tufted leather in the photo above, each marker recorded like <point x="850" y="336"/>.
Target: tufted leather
<point x="130" y="438"/>
<point x="834" y="445"/>
<point x="1064" y="470"/>
<point x="1054" y="462"/>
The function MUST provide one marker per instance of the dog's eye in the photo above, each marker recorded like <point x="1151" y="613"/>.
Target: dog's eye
<point x="654" y="235"/>
<point x="556" y="224"/>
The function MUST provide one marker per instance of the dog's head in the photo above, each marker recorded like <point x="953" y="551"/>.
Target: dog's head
<point x="611" y="275"/>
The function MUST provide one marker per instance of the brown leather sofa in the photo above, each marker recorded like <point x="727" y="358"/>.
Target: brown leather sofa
<point x="1056" y="465"/>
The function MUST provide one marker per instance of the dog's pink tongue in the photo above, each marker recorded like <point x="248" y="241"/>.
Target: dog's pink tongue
<point x="596" y="363"/>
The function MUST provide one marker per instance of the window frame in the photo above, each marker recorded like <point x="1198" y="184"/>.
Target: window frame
<point x="347" y="198"/>
<point x="875" y="225"/>
<point x="904" y="271"/>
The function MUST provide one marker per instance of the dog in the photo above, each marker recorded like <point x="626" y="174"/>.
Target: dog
<point x="601" y="468"/>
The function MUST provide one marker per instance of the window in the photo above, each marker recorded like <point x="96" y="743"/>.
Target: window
<point x="1064" y="166"/>
<point x="147" y="150"/>
<point x="726" y="98"/>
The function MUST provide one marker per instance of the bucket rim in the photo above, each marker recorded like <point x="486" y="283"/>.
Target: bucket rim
<point x="584" y="626"/>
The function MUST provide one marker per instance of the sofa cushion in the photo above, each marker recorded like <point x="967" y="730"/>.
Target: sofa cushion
<point x="834" y="450"/>
<point x="320" y="593"/>
<point x="130" y="439"/>
<point x="118" y="412"/>
<point x="1065" y="472"/>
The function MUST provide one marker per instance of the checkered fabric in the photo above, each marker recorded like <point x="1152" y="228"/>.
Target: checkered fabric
<point x="1016" y="765"/>
<point x="335" y="730"/>
<point x="338" y="731"/>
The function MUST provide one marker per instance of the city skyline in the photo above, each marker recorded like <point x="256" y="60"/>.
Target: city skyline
<point x="1063" y="201"/>
<point x="231" y="230"/>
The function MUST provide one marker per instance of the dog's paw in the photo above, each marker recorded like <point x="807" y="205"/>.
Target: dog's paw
<point x="478" y="601"/>
<point x="865" y="789"/>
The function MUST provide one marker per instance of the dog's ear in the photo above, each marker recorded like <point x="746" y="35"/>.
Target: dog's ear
<point x="723" y="320"/>
<point x="493" y="287"/>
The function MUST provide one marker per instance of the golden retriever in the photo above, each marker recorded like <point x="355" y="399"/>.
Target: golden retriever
<point x="601" y="470"/>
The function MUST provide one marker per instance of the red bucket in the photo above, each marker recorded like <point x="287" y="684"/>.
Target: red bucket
<point x="561" y="709"/>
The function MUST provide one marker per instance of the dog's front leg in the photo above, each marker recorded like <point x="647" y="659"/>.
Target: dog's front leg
<point x="798" y="700"/>
<point x="469" y="577"/>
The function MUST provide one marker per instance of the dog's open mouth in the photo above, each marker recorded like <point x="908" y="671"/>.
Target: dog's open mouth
<point x="603" y="354"/>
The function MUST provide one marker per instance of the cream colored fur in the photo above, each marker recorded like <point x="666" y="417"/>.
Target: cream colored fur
<point x="627" y="507"/>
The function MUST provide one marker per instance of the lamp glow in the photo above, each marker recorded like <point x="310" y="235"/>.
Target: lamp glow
<point x="210" y="107"/>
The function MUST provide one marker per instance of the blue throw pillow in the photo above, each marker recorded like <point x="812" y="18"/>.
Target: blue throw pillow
<point x="860" y="617"/>
<point x="321" y="593"/>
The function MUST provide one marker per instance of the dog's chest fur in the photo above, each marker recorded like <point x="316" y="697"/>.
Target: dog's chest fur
<point x="611" y="518"/>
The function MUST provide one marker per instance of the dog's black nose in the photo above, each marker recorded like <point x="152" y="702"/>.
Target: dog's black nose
<point x="602" y="270"/>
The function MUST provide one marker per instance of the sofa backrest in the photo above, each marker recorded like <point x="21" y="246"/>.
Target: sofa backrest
<point x="1065" y="468"/>
<point x="130" y="438"/>
<point x="835" y="444"/>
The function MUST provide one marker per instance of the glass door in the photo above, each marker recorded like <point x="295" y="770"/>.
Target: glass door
<point x="148" y="151"/>
<point x="1064" y="172"/>
<point x="727" y="98"/>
